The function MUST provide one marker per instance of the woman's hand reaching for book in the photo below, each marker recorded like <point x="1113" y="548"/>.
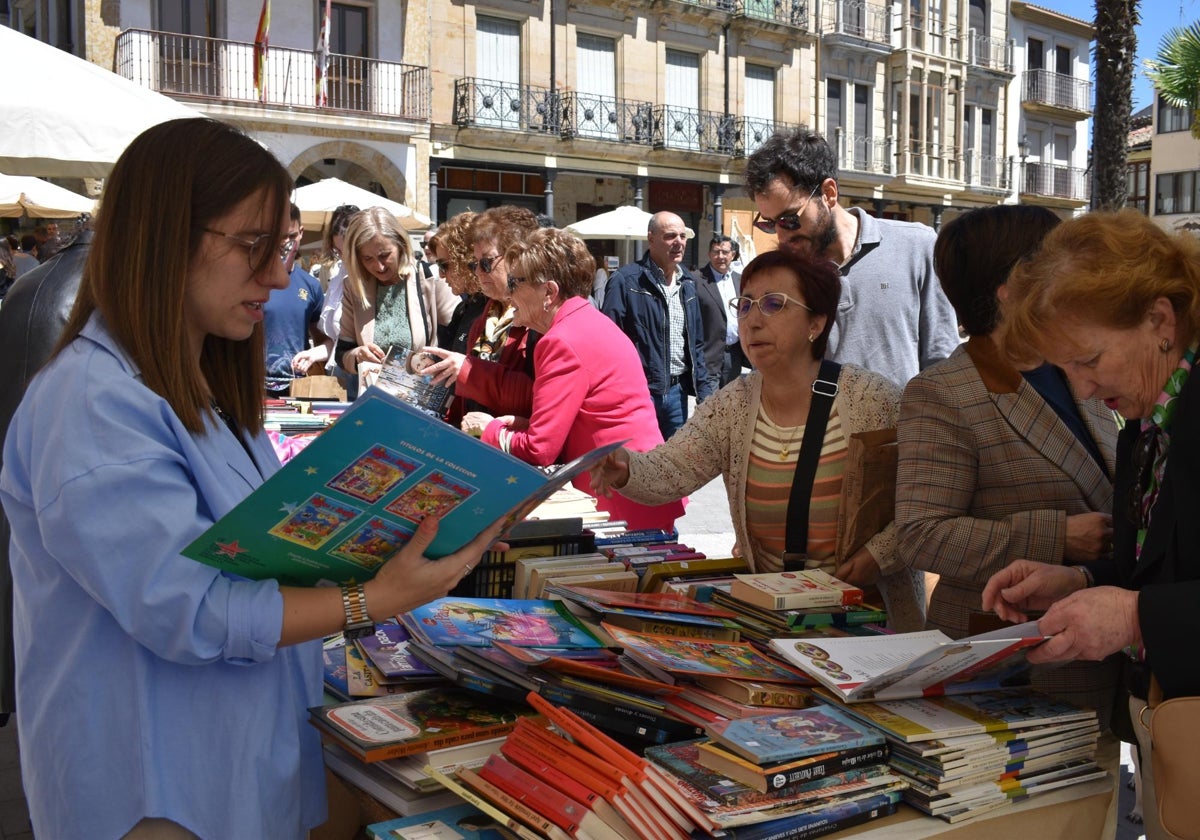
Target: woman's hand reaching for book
<point x="610" y="474"/>
<point x="1024" y="586"/>
<point x="445" y="370"/>
<point x="860" y="569"/>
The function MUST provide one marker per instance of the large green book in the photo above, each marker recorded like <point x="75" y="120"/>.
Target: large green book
<point x="354" y="496"/>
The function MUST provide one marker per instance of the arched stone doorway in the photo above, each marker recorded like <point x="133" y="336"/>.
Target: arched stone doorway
<point x="351" y="162"/>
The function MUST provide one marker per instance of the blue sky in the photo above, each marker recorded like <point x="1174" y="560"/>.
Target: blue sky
<point x="1158" y="18"/>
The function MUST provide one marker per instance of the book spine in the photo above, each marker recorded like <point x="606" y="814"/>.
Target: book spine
<point x="539" y="796"/>
<point x="472" y="798"/>
<point x="371" y="754"/>
<point x="603" y="713"/>
<point x="499" y="799"/>
<point x="667" y="628"/>
<point x="766" y="779"/>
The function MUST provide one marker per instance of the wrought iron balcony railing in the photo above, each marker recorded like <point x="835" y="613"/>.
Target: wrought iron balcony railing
<point x="752" y="132"/>
<point x="990" y="172"/>
<point x="1055" y="181"/>
<point x="487" y="103"/>
<point x="691" y="129"/>
<point x="857" y="18"/>
<point x="790" y="12"/>
<point x="595" y="117"/>
<point x="989" y="53"/>
<point x="863" y="153"/>
<point x="1057" y="90"/>
<point x="929" y="160"/>
<point x="212" y="68"/>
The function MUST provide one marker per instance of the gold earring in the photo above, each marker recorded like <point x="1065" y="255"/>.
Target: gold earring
<point x="811" y="339"/>
<point x="1164" y="345"/>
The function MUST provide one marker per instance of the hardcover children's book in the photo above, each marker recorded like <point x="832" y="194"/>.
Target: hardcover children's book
<point x="794" y="734"/>
<point x="417" y="721"/>
<point x="671" y="656"/>
<point x="480" y="621"/>
<point x="930" y="663"/>
<point x="794" y="590"/>
<point x="353" y="497"/>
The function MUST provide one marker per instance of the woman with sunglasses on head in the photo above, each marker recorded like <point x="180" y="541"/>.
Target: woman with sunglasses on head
<point x="996" y="462"/>
<point x="751" y="432"/>
<point x="589" y="390"/>
<point x="158" y="697"/>
<point x="452" y="247"/>
<point x="1114" y="301"/>
<point x="494" y="373"/>
<point x="330" y="269"/>
<point x="385" y="304"/>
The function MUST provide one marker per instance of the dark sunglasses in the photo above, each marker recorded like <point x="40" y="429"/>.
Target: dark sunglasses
<point x="513" y="282"/>
<point x="486" y="263"/>
<point x="788" y="221"/>
<point x="1145" y="454"/>
<point x="443" y="265"/>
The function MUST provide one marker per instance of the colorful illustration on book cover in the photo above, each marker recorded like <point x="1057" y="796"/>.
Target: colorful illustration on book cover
<point x="374" y="474"/>
<point x="698" y="656"/>
<point x="433" y="495"/>
<point x="372" y="544"/>
<point x="314" y="522"/>
<point x="483" y="620"/>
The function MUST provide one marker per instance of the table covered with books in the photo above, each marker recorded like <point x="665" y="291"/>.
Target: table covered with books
<point x="603" y="684"/>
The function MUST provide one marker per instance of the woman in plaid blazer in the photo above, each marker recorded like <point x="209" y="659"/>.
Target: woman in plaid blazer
<point x="998" y="464"/>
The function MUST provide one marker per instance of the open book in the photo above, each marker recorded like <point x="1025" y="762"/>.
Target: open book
<point x="353" y="497"/>
<point x="402" y="376"/>
<point x="905" y="665"/>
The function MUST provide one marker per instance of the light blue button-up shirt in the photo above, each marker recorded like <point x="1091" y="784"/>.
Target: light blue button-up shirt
<point x="148" y="685"/>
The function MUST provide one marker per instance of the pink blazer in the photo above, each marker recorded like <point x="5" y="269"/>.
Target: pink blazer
<point x="589" y="390"/>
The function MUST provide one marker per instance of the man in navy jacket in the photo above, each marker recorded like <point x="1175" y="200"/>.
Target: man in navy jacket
<point x="654" y="302"/>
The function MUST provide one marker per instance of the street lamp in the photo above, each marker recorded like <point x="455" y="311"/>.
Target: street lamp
<point x="1023" y="151"/>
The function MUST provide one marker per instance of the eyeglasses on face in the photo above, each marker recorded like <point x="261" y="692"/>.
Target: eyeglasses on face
<point x="485" y="264"/>
<point x="514" y="281"/>
<point x="769" y="304"/>
<point x="443" y="265"/>
<point x="259" y="247"/>
<point x="789" y="220"/>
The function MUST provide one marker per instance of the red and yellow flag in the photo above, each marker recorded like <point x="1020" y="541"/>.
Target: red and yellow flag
<point x="261" y="43"/>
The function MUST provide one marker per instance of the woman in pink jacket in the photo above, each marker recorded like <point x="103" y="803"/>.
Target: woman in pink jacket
<point x="589" y="389"/>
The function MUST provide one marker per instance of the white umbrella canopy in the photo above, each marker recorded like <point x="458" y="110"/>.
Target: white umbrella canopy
<point x="627" y="222"/>
<point x="77" y="127"/>
<point x="38" y="199"/>
<point x="317" y="201"/>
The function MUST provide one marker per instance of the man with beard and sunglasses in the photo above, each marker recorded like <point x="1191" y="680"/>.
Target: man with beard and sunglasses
<point x="893" y="317"/>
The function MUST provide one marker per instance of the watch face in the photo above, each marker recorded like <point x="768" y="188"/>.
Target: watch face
<point x="358" y="631"/>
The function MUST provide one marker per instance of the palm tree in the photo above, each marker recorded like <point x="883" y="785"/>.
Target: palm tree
<point x="1116" y="46"/>
<point x="1175" y="71"/>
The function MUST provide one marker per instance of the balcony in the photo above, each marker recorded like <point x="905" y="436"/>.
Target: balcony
<point x="752" y="132"/>
<point x="485" y="103"/>
<point x="989" y="173"/>
<point x="925" y="33"/>
<point x="853" y="22"/>
<point x="590" y="117"/>
<point x="1057" y="94"/>
<point x="936" y="161"/>
<point x="690" y="129"/>
<point x="1054" y="184"/>
<point x="192" y="67"/>
<point x="789" y="13"/>
<point x="987" y="53"/>
<point x="862" y="153"/>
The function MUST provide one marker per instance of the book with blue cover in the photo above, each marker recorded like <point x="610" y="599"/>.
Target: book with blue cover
<point x="459" y="822"/>
<point x="478" y="622"/>
<point x="795" y="733"/>
<point x="387" y="648"/>
<point x="354" y="496"/>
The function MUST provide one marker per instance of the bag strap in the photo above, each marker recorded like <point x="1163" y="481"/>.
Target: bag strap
<point x="824" y="389"/>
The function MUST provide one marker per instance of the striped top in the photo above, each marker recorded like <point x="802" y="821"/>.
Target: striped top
<point x="769" y="484"/>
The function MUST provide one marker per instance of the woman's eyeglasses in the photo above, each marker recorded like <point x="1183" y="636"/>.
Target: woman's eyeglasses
<point x="259" y="246"/>
<point x="1145" y="453"/>
<point x="788" y="221"/>
<point x="443" y="265"/>
<point x="486" y="264"/>
<point x="769" y="304"/>
<point x="514" y="281"/>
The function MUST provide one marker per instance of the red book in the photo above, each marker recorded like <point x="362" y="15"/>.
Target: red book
<point x="497" y="797"/>
<point x="569" y="815"/>
<point x="563" y="780"/>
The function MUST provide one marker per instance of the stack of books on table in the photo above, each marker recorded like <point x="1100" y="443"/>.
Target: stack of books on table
<point x="967" y="740"/>
<point x="373" y="743"/>
<point x="769" y="775"/>
<point x="794" y="604"/>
